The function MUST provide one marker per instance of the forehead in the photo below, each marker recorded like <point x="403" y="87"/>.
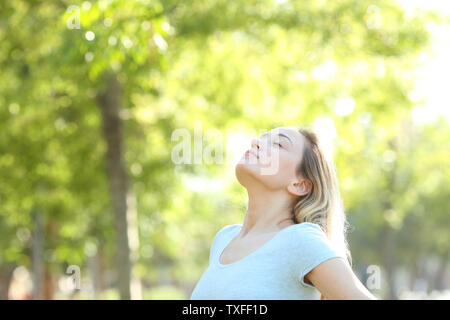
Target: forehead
<point x="292" y="133"/>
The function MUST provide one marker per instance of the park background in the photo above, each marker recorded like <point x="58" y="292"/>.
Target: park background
<point x="92" y="91"/>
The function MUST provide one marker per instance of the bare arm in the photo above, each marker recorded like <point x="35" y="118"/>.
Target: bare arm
<point x="336" y="281"/>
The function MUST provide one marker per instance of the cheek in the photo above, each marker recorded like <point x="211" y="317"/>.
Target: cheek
<point x="282" y="176"/>
<point x="287" y="167"/>
<point x="284" y="166"/>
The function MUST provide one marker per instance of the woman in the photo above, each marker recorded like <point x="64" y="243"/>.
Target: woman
<point x="292" y="243"/>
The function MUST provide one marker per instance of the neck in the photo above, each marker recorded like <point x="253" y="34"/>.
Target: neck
<point x="267" y="211"/>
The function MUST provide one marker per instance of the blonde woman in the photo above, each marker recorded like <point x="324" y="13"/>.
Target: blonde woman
<point x="292" y="244"/>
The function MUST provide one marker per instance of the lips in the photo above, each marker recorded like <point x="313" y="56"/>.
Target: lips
<point x="248" y="152"/>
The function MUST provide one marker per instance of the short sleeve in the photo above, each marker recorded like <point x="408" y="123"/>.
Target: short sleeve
<point x="217" y="240"/>
<point x="314" y="248"/>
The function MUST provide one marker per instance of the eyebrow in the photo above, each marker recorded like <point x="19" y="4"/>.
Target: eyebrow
<point x="280" y="134"/>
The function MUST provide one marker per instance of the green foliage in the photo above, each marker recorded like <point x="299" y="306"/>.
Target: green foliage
<point x="238" y="64"/>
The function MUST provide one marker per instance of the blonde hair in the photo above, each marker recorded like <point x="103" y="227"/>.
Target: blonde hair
<point x="322" y="205"/>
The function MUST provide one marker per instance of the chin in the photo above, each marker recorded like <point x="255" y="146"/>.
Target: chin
<point x="248" y="174"/>
<point x="243" y="172"/>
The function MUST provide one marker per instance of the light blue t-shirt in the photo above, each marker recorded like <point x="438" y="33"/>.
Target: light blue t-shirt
<point x="275" y="271"/>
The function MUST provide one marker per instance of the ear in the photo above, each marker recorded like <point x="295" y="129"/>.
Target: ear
<point x="299" y="188"/>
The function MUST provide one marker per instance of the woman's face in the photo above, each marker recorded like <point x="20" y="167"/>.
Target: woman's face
<point x="272" y="160"/>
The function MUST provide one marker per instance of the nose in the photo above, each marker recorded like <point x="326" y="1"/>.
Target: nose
<point x="255" y="144"/>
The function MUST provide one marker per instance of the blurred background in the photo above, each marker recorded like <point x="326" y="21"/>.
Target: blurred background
<point x="92" y="206"/>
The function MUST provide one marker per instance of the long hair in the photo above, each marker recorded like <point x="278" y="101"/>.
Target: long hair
<point x="322" y="205"/>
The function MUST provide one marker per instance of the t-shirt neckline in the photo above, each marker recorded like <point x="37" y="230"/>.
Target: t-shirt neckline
<point x="234" y="234"/>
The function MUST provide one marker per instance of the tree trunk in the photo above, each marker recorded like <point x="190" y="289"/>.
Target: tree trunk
<point x="6" y="274"/>
<point x="110" y="105"/>
<point x="101" y="267"/>
<point x="38" y="257"/>
<point x="133" y="235"/>
<point x="414" y="273"/>
<point x="48" y="284"/>
<point x="94" y="270"/>
<point x="387" y="231"/>
<point x="440" y="274"/>
<point x="388" y="259"/>
<point x="96" y="266"/>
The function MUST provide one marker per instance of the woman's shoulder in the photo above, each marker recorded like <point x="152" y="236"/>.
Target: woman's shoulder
<point x="227" y="229"/>
<point x="307" y="227"/>
<point x="310" y="237"/>
<point x="307" y="231"/>
<point x="312" y="227"/>
<point x="220" y="238"/>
